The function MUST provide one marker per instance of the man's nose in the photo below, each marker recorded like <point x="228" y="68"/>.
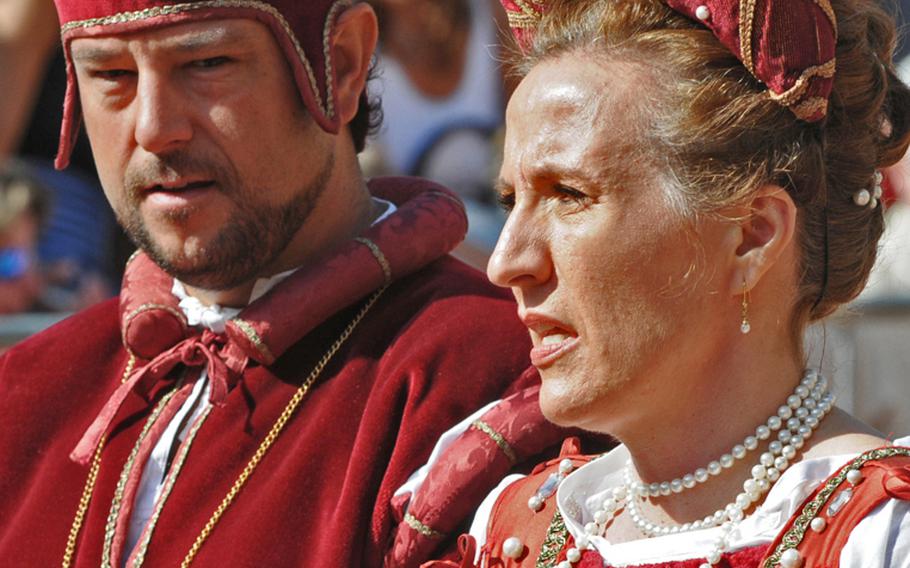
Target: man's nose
<point x="162" y="117"/>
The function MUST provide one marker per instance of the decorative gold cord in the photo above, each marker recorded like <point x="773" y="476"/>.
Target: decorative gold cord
<point x="276" y="430"/>
<point x="84" y="501"/>
<point x="498" y="438"/>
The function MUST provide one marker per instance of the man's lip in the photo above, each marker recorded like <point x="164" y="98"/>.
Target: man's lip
<point x="178" y="185"/>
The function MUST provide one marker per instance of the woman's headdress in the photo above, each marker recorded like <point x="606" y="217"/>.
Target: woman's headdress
<point x="788" y="45"/>
<point x="303" y="30"/>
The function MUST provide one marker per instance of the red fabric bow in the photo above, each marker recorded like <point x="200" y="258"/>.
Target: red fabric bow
<point x="223" y="362"/>
<point x="897" y="483"/>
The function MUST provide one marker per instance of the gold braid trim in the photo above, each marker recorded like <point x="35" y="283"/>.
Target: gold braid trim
<point x="825" y="5"/>
<point x="498" y="438"/>
<point x="555" y="541"/>
<point x="254" y="338"/>
<point x="529" y="10"/>
<point x="423" y="529"/>
<point x="111" y="527"/>
<point x="142" y="546"/>
<point x="796" y="92"/>
<point x="810" y="107"/>
<point x="523" y="21"/>
<point x="794" y="537"/>
<point x="380" y="258"/>
<point x="746" y="25"/>
<point x="128" y="370"/>
<point x="172" y="9"/>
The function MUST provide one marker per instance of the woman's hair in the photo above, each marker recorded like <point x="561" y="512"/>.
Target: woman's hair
<point x="722" y="137"/>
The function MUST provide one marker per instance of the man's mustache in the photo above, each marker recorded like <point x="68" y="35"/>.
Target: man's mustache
<point x="168" y="168"/>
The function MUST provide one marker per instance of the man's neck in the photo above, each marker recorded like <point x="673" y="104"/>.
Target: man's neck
<point x="356" y="216"/>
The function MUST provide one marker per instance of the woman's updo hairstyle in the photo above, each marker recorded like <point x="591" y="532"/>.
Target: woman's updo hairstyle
<point x="723" y="137"/>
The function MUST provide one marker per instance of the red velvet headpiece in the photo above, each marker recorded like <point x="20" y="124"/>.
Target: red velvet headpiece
<point x="789" y="45"/>
<point x="303" y="30"/>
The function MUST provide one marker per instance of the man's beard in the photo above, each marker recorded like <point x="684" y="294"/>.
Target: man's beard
<point x="251" y="240"/>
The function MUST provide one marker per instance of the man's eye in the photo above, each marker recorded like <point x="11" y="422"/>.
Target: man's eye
<point x="210" y="62"/>
<point x="112" y="74"/>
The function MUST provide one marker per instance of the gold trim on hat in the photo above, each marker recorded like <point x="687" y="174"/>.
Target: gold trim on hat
<point x="746" y="28"/>
<point x="810" y="108"/>
<point x="825" y="5"/>
<point x="793" y="95"/>
<point x="528" y="9"/>
<point x="523" y="21"/>
<point x="327" y="107"/>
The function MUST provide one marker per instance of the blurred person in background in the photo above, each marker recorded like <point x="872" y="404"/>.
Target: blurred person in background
<point x="24" y="207"/>
<point x="444" y="90"/>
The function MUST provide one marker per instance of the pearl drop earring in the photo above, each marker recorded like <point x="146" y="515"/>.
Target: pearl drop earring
<point x="745" y="327"/>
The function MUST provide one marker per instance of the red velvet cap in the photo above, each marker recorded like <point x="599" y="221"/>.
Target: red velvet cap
<point x="303" y="30"/>
<point x="789" y="45"/>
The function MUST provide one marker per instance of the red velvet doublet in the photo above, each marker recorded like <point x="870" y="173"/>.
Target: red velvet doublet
<point x="438" y="344"/>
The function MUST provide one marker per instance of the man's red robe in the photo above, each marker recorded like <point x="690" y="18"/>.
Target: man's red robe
<point x="438" y="344"/>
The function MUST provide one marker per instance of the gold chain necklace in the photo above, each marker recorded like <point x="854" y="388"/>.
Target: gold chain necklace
<point x="251" y="466"/>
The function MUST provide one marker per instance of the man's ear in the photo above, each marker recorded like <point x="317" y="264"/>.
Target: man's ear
<point x="353" y="43"/>
<point x="765" y="232"/>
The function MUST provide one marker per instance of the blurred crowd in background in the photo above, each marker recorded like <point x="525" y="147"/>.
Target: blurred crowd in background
<point x="444" y="94"/>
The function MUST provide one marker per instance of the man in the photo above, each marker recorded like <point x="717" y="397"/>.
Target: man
<point x="290" y="341"/>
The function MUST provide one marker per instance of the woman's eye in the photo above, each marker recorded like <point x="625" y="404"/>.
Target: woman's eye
<point x="506" y="201"/>
<point x="569" y="194"/>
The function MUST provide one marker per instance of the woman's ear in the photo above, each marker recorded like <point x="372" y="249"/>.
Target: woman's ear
<point x="766" y="232"/>
<point x="353" y="43"/>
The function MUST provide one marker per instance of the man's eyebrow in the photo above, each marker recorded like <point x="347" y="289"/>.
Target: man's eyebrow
<point x="189" y="43"/>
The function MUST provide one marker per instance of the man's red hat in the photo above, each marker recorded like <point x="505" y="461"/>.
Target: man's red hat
<point x="303" y="29"/>
<point x="789" y="45"/>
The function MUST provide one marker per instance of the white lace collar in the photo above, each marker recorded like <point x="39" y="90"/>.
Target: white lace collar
<point x="584" y="490"/>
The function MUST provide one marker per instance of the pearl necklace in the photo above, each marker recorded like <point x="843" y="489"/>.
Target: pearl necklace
<point x="794" y="423"/>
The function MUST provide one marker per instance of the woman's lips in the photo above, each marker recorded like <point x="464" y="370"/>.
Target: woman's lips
<point x="552" y="347"/>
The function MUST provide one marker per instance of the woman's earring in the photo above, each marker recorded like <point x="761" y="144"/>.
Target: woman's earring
<point x="745" y="326"/>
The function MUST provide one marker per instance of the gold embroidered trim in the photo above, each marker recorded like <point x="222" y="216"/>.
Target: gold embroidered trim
<point x="794" y="537"/>
<point x="825" y="5"/>
<point x="276" y="430"/>
<point x="143" y="544"/>
<point x="794" y="93"/>
<point x="128" y="370"/>
<point x="111" y="527"/>
<point x="379" y="256"/>
<point x="423" y="529"/>
<point x="810" y="107"/>
<point x="147" y="308"/>
<point x="254" y="338"/>
<point x="555" y="541"/>
<point x="86" y="498"/>
<point x="171" y="9"/>
<point x="746" y="24"/>
<point x="528" y="9"/>
<point x="498" y="438"/>
<point x="523" y="21"/>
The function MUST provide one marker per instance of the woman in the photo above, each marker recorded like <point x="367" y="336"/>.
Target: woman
<point x="690" y="183"/>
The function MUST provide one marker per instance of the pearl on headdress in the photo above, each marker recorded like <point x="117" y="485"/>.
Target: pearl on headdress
<point x="703" y="13"/>
<point x="535" y="503"/>
<point x="818" y="524"/>
<point x="862" y="197"/>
